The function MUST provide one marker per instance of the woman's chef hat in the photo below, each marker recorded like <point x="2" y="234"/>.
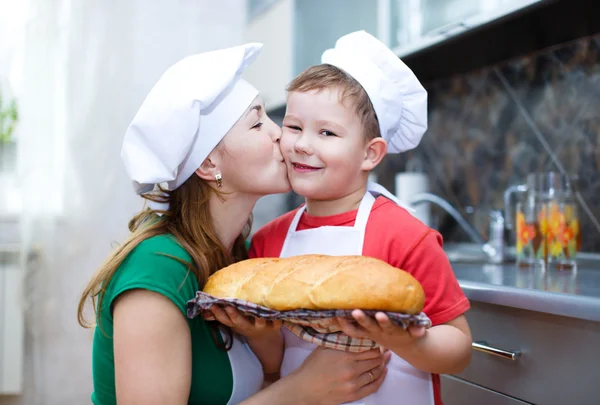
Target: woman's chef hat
<point x="186" y="114"/>
<point x="399" y="99"/>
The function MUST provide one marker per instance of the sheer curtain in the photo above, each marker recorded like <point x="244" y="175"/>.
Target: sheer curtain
<point x="86" y="67"/>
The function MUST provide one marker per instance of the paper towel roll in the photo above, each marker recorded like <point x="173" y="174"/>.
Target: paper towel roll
<point x="409" y="184"/>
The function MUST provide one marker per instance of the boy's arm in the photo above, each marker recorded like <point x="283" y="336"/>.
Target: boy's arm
<point x="445" y="347"/>
<point x="442" y="349"/>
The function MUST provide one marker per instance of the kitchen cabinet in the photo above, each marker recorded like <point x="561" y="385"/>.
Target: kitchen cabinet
<point x="459" y="392"/>
<point x="318" y="24"/>
<point x="557" y="359"/>
<point x="418" y="24"/>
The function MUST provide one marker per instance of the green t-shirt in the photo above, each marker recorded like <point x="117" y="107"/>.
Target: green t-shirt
<point x="148" y="268"/>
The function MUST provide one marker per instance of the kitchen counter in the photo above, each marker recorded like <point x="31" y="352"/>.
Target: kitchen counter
<point x="566" y="293"/>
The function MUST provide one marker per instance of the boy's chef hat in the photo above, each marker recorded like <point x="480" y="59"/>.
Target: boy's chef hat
<point x="186" y="114"/>
<point x="399" y="99"/>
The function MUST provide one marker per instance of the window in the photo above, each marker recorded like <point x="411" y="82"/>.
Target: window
<point x="10" y="202"/>
<point x="8" y="119"/>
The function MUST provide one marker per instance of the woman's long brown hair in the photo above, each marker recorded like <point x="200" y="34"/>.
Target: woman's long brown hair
<point x="189" y="220"/>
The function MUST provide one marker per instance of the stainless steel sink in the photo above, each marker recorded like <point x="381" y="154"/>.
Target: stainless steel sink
<point x="470" y="253"/>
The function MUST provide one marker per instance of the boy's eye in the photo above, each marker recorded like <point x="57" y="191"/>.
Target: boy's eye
<point x="258" y="125"/>
<point x="293" y="127"/>
<point x="327" y="133"/>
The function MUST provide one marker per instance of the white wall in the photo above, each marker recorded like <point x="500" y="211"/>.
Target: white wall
<point x="87" y="66"/>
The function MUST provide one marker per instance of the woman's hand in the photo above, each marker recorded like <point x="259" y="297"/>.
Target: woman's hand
<point x="246" y="326"/>
<point x="334" y="377"/>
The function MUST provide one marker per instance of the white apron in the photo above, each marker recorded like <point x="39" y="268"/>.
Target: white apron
<point x="403" y="383"/>
<point x="246" y="369"/>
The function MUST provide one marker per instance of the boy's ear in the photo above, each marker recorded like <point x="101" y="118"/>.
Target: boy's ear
<point x="375" y="151"/>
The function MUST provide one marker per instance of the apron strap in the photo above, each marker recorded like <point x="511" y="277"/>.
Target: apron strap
<point x="293" y="227"/>
<point x="364" y="210"/>
<point x="296" y="220"/>
<point x="362" y="217"/>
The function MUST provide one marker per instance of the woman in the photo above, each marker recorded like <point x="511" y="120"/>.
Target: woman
<point x="203" y="135"/>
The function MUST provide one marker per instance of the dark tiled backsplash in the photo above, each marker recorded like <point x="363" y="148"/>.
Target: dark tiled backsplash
<point x="490" y="128"/>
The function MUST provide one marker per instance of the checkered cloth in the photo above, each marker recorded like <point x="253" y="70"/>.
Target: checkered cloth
<point x="316" y="327"/>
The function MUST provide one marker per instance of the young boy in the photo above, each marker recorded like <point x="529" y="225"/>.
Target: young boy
<point x="342" y="118"/>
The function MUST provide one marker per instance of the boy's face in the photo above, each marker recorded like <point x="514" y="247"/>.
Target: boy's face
<point x="323" y="146"/>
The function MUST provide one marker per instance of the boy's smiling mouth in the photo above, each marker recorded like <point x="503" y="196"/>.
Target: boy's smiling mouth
<point x="302" y="168"/>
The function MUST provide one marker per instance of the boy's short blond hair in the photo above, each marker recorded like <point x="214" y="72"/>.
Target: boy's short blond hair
<point x="322" y="77"/>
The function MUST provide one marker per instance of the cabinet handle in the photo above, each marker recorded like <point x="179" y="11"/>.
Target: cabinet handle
<point x="483" y="346"/>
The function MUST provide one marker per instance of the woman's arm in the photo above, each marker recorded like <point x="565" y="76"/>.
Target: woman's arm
<point x="152" y="349"/>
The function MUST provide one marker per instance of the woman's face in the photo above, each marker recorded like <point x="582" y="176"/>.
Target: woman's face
<point x="250" y="159"/>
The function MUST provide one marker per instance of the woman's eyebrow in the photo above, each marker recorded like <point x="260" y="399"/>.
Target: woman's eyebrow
<point x="256" y="107"/>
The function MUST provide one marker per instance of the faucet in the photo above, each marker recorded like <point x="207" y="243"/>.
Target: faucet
<point x="494" y="254"/>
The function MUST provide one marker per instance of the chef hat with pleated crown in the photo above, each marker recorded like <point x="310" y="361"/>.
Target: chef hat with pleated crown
<point x="399" y="99"/>
<point x="186" y="114"/>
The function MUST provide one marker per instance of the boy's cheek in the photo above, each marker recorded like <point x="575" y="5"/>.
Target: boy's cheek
<point x="286" y="144"/>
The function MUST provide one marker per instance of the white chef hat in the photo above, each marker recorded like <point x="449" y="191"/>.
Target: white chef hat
<point x="399" y="99"/>
<point x="186" y="114"/>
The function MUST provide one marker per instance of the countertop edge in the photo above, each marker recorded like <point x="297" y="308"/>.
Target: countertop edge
<point x="571" y="306"/>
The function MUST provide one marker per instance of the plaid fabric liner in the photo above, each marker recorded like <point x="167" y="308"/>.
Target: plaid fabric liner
<point x="312" y="326"/>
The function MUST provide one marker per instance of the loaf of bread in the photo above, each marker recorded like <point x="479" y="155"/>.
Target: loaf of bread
<point x="319" y="282"/>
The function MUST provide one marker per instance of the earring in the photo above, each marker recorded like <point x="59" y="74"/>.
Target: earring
<point x="219" y="179"/>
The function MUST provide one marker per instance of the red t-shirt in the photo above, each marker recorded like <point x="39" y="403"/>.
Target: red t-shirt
<point x="396" y="237"/>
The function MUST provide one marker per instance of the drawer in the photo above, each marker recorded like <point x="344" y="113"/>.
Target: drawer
<point x="559" y="361"/>
<point x="459" y="392"/>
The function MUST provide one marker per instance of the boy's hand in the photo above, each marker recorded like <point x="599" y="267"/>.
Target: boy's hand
<point x="246" y="326"/>
<point x="381" y="330"/>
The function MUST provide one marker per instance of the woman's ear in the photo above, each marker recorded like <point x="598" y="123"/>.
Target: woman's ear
<point x="208" y="169"/>
<point x="375" y="151"/>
